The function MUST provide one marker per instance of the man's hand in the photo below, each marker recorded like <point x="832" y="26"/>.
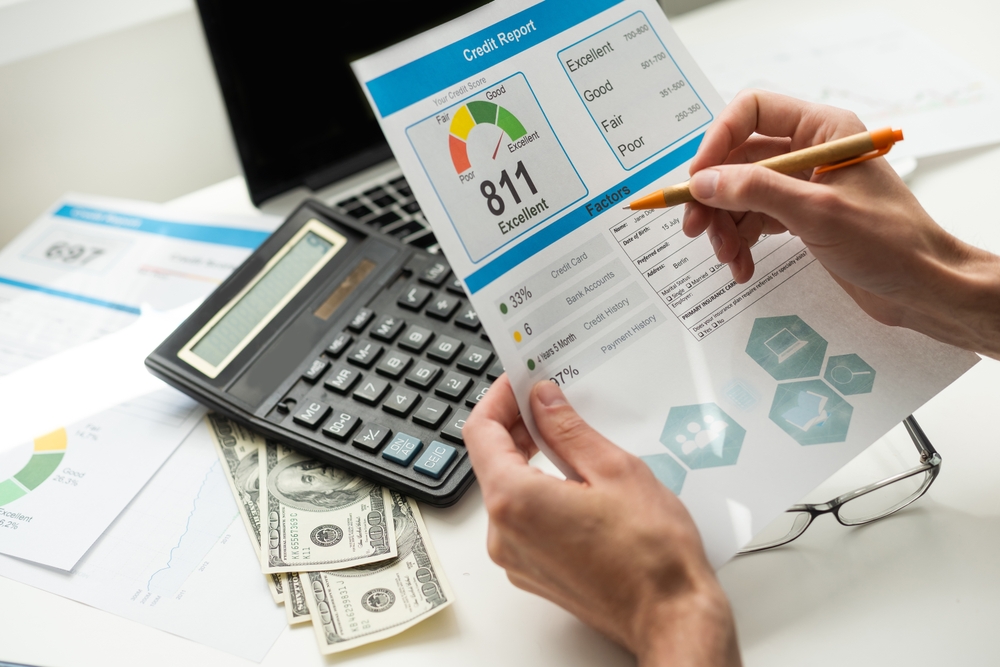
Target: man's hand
<point x="861" y="222"/>
<point x="618" y="549"/>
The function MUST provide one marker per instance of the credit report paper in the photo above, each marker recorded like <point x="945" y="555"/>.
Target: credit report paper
<point x="523" y="129"/>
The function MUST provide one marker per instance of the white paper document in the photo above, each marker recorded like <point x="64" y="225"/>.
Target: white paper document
<point x="523" y="130"/>
<point x="177" y="559"/>
<point x="87" y="266"/>
<point x="60" y="492"/>
<point x="872" y="64"/>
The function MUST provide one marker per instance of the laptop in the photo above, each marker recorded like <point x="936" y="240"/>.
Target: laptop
<point x="302" y="126"/>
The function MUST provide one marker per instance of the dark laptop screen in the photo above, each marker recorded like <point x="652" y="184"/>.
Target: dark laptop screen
<point x="297" y="113"/>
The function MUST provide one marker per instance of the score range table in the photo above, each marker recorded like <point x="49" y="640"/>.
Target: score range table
<point x="684" y="272"/>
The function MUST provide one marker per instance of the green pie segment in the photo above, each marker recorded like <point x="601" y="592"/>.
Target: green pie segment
<point x="48" y="453"/>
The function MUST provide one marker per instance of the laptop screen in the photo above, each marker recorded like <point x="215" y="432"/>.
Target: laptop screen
<point x="296" y="110"/>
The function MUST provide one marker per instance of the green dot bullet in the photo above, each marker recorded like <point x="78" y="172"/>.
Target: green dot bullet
<point x="531" y="364"/>
<point x="503" y="308"/>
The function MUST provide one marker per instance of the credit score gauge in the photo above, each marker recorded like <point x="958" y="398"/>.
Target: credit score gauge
<point x="496" y="165"/>
<point x="472" y="114"/>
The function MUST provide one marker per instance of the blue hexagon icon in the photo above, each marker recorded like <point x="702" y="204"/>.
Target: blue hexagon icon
<point x="702" y="436"/>
<point x="786" y="347"/>
<point x="849" y="374"/>
<point x="670" y="473"/>
<point x="811" y="412"/>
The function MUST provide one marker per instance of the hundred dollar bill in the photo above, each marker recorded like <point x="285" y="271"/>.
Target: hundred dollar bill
<point x="296" y="610"/>
<point x="318" y="517"/>
<point x="238" y="448"/>
<point x="362" y="605"/>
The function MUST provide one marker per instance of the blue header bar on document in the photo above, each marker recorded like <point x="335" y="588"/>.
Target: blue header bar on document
<point x="465" y="58"/>
<point x="231" y="236"/>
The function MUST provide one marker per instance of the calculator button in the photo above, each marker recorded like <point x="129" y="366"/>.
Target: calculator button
<point x="401" y="401"/>
<point x="468" y="319"/>
<point x="315" y="370"/>
<point x="371" y="437"/>
<point x="341" y="425"/>
<point x="445" y="349"/>
<point x="371" y="391"/>
<point x="475" y="359"/>
<point x="339" y="344"/>
<point x="435" y="459"/>
<point x="361" y="320"/>
<point x="394" y="364"/>
<point x="431" y="413"/>
<point x="455" y="286"/>
<point x="443" y="307"/>
<point x="495" y="371"/>
<point x="387" y="328"/>
<point x="453" y="385"/>
<point x="435" y="273"/>
<point x="477" y="394"/>
<point x="422" y="375"/>
<point x="342" y="379"/>
<point x="384" y="200"/>
<point x="415" y="338"/>
<point x="453" y="429"/>
<point x="311" y="414"/>
<point x="411" y="207"/>
<point x="414" y="297"/>
<point x="365" y="353"/>
<point x="402" y="449"/>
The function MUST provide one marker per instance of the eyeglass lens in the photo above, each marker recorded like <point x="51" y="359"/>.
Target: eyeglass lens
<point x="885" y="500"/>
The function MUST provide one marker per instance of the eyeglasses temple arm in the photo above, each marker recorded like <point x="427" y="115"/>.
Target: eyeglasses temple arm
<point x="927" y="451"/>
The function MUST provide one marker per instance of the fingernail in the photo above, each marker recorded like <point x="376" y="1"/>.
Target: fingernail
<point x="704" y="183"/>
<point x="716" y="243"/>
<point x="549" y="394"/>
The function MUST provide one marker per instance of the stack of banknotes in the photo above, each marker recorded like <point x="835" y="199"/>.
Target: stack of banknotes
<point x="349" y="556"/>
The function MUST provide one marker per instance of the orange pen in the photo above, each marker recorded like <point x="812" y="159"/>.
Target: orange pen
<point x="824" y="157"/>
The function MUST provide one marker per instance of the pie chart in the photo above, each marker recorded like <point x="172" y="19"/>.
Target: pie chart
<point x="46" y="455"/>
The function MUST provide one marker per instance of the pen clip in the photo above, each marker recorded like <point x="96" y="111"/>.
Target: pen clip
<point x="846" y="163"/>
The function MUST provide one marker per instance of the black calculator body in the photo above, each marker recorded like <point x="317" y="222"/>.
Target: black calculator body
<point x="346" y="345"/>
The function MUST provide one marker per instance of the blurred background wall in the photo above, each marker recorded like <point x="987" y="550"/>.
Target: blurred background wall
<point x="112" y="97"/>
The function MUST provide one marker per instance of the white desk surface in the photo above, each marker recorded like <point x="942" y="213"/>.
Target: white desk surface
<point x="920" y="588"/>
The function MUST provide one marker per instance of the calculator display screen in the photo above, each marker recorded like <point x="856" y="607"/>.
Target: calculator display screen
<point x="287" y="272"/>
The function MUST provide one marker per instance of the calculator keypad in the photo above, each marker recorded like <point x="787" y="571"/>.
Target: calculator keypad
<point x="397" y="379"/>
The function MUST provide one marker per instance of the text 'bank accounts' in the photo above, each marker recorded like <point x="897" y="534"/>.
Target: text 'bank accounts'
<point x="522" y="138"/>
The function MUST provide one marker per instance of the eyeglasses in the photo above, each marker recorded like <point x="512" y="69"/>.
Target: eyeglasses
<point x="864" y="505"/>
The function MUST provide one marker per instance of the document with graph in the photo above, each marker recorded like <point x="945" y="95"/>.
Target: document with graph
<point x="523" y="128"/>
<point x="61" y="491"/>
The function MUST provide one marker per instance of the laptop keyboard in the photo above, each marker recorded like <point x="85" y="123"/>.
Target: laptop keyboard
<point x="391" y="208"/>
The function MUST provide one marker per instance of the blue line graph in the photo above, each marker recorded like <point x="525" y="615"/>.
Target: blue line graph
<point x="203" y="528"/>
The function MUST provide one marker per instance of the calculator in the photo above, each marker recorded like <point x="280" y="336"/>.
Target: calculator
<point x="344" y="344"/>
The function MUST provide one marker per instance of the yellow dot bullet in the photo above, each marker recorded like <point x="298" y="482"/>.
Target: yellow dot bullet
<point x="517" y="336"/>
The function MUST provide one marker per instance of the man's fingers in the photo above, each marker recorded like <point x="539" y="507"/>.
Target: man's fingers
<point x="772" y="115"/>
<point x="572" y="439"/>
<point x="796" y="203"/>
<point x="487" y="433"/>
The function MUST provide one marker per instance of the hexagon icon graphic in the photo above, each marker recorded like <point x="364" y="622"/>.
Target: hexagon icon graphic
<point x="703" y="436"/>
<point x="786" y="347"/>
<point x="849" y="374"/>
<point x="670" y="473"/>
<point x="811" y="412"/>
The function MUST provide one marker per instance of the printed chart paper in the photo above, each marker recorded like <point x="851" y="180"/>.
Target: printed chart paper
<point x="178" y="559"/>
<point x="60" y="492"/>
<point x="87" y="266"/>
<point x="523" y="130"/>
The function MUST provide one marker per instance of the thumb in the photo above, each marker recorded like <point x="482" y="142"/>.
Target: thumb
<point x="747" y="187"/>
<point x="572" y="439"/>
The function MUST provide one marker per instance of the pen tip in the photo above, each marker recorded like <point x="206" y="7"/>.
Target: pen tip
<point x="626" y="207"/>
